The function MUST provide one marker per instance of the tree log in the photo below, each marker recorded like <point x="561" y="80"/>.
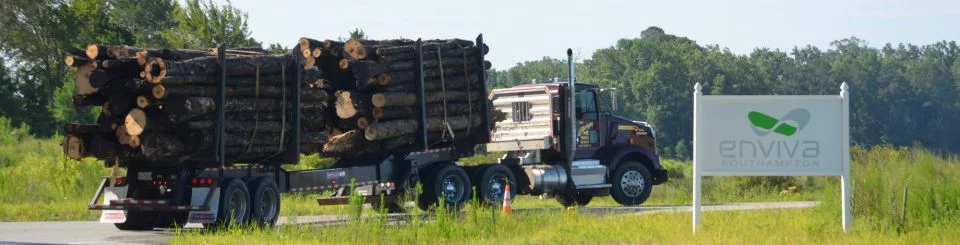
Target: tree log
<point x="448" y="44"/>
<point x="395" y="128"/>
<point x="309" y="44"/>
<point x="157" y="69"/>
<point x="350" y="142"/>
<point x="350" y="104"/>
<point x="161" y="145"/>
<point x="82" y="79"/>
<point x="385" y="99"/>
<point x="139" y="121"/>
<point x="75" y="61"/>
<point x="240" y="126"/>
<point x="121" y="103"/>
<point x="97" y="52"/>
<point x="311" y="96"/>
<point x="436" y="109"/>
<point x="432" y="54"/>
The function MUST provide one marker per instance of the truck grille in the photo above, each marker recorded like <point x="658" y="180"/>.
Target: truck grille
<point x="521" y="111"/>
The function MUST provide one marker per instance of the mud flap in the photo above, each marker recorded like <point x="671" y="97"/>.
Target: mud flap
<point x="196" y="199"/>
<point x="113" y="216"/>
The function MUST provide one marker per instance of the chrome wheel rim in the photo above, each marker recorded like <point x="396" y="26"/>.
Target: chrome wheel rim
<point x="268" y="208"/>
<point x="238" y="203"/>
<point x="496" y="185"/>
<point x="632" y="183"/>
<point x="452" y="189"/>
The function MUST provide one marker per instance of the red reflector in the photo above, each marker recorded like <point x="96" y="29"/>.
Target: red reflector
<point x="210" y="181"/>
<point x="333" y="182"/>
<point x="193" y="181"/>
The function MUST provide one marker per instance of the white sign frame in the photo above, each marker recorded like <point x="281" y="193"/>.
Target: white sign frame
<point x="844" y="152"/>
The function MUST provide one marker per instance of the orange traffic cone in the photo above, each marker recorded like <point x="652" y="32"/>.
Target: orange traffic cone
<point x="507" y="202"/>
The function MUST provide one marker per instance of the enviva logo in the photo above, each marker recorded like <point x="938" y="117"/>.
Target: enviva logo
<point x="788" y="125"/>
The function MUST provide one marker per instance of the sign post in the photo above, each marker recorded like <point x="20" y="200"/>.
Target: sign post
<point x="805" y="135"/>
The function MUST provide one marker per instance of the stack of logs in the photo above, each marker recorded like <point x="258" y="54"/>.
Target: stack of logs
<point x="159" y="104"/>
<point x="375" y="84"/>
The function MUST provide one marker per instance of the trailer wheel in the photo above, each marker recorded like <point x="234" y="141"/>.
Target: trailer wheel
<point x="141" y="220"/>
<point x="574" y="199"/>
<point x="450" y="183"/>
<point x="492" y="182"/>
<point x="266" y="202"/>
<point x="234" y="203"/>
<point x="632" y="184"/>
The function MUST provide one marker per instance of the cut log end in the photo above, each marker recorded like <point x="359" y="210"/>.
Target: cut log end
<point x="135" y="122"/>
<point x="316" y="52"/>
<point x="82" y="79"/>
<point x="143" y="101"/>
<point x="309" y="62"/>
<point x="159" y="91"/>
<point x="142" y="57"/>
<point x="155" y="70"/>
<point x="307" y="53"/>
<point x="363" y="123"/>
<point x="93" y="51"/>
<point x="134" y="141"/>
<point x="73" y="146"/>
<point x="370" y="133"/>
<point x="304" y="43"/>
<point x="383" y="79"/>
<point x="344" y="64"/>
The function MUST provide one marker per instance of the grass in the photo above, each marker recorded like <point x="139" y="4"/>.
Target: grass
<point x="37" y="183"/>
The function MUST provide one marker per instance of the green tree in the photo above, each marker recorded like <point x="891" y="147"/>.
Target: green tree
<point x="204" y="24"/>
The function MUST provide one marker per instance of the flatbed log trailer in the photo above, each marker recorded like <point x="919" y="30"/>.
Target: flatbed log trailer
<point x="614" y="156"/>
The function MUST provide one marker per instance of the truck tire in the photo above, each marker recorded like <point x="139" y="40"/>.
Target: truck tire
<point x="141" y="220"/>
<point x="574" y="199"/>
<point x="491" y="183"/>
<point x="631" y="184"/>
<point x="266" y="202"/>
<point x="234" y="204"/>
<point x="450" y="183"/>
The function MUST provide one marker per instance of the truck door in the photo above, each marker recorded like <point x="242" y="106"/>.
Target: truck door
<point x="588" y="135"/>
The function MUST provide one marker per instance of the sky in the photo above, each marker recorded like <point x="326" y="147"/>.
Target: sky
<point x="518" y="31"/>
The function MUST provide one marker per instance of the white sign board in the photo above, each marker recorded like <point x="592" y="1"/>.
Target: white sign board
<point x="771" y="136"/>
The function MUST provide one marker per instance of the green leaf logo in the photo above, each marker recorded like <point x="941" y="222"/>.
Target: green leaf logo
<point x="789" y="125"/>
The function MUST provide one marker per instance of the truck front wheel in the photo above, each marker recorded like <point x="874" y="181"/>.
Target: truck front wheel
<point x="631" y="184"/>
<point x="493" y="182"/>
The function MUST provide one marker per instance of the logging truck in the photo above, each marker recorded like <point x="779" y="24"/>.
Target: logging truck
<point x="555" y="140"/>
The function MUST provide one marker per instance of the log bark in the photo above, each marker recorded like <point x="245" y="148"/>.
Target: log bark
<point x="397" y="77"/>
<point x="312" y="96"/>
<point x="350" y="104"/>
<point x="396" y="128"/>
<point x="121" y="103"/>
<point x="206" y="140"/>
<point x="184" y="108"/>
<point x="240" y="126"/>
<point x="408" y="99"/>
<point x="161" y="145"/>
<point x="432" y="54"/>
<point x="157" y="69"/>
<point x="436" y="109"/>
<point x="393" y="99"/>
<point x="449" y="44"/>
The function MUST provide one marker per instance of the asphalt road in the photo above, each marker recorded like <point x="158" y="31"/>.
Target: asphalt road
<point x="93" y="232"/>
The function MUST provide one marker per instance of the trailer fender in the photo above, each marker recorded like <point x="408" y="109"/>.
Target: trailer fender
<point x="198" y="196"/>
<point x="113" y="216"/>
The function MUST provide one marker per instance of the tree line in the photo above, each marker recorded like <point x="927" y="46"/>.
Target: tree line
<point x="902" y="94"/>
